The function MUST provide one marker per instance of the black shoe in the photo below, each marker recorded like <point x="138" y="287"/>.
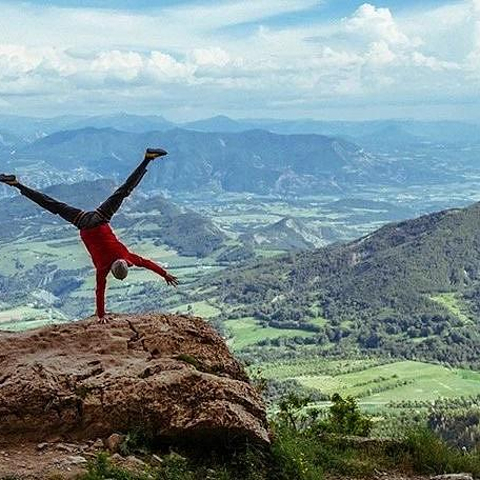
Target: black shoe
<point x="152" y="153"/>
<point x="8" y="179"/>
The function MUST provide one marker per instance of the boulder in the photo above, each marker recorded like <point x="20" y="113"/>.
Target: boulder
<point x="168" y="375"/>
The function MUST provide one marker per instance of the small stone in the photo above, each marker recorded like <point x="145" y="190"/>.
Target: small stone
<point x="63" y="447"/>
<point x="134" y="461"/>
<point x="454" y="476"/>
<point x="98" y="444"/>
<point x="114" y="442"/>
<point x="116" y="457"/>
<point x="157" y="458"/>
<point x="42" y="446"/>
<point x="77" y="460"/>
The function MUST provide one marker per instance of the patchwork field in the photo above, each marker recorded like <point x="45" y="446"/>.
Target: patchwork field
<point x="247" y="331"/>
<point x="376" y="384"/>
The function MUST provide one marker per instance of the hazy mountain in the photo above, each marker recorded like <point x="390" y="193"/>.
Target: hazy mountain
<point x="289" y="234"/>
<point x="410" y="288"/>
<point x="219" y="123"/>
<point x="125" y="122"/>
<point x="391" y="136"/>
<point x="450" y="132"/>
<point x="32" y="128"/>
<point x="10" y="142"/>
<point x="254" y="161"/>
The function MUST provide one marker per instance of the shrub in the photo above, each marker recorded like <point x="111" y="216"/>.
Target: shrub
<point x="345" y="418"/>
<point x="428" y="453"/>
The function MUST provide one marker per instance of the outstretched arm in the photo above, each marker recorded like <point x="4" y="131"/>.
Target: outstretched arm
<point x="100" y="293"/>
<point x="139" y="261"/>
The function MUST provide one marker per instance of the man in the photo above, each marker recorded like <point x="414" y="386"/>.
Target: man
<point x="107" y="252"/>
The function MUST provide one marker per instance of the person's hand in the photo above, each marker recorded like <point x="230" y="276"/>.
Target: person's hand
<point x="171" y="280"/>
<point x="104" y="320"/>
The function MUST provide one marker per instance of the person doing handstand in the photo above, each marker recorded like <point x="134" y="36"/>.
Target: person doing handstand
<point x="107" y="252"/>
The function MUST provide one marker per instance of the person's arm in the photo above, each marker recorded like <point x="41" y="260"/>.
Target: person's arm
<point x="100" y="293"/>
<point x="139" y="261"/>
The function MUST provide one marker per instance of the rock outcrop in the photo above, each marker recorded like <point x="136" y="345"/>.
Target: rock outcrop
<point x="171" y="376"/>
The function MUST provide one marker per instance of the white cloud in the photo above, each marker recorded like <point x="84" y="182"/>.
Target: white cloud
<point x="210" y="56"/>
<point x="188" y="55"/>
<point x="378" y="24"/>
<point x="379" y="54"/>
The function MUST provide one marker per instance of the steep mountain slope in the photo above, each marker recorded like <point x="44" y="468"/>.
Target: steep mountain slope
<point x="255" y="161"/>
<point x="289" y="234"/>
<point x="409" y="288"/>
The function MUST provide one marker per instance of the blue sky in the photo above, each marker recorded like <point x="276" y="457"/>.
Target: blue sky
<point x="277" y="58"/>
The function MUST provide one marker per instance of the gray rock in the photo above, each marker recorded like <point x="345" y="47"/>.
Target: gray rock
<point x="454" y="476"/>
<point x="76" y="460"/>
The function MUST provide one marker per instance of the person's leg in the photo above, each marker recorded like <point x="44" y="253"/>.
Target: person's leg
<point x="108" y="208"/>
<point x="68" y="213"/>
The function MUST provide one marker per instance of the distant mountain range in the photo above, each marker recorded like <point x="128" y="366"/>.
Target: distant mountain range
<point x="254" y="161"/>
<point x="410" y="289"/>
<point x="451" y="132"/>
<point x="285" y="157"/>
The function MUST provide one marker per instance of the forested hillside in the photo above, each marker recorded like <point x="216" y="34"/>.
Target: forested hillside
<point x="410" y="289"/>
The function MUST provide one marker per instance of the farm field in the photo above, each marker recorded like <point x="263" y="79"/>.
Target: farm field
<point x="377" y="384"/>
<point x="247" y="331"/>
<point x="25" y="318"/>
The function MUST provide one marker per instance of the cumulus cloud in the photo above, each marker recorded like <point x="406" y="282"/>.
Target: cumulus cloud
<point x="188" y="53"/>
<point x="378" y="24"/>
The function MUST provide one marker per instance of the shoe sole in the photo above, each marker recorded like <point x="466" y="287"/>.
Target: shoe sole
<point x="8" y="178"/>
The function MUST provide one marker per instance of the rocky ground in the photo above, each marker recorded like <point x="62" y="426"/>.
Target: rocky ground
<point x="64" y="387"/>
<point x="63" y="460"/>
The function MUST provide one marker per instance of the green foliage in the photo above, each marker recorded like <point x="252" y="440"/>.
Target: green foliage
<point x="291" y="410"/>
<point x="139" y="440"/>
<point x="175" y="467"/>
<point x="191" y="360"/>
<point x="101" y="468"/>
<point x="345" y="418"/>
<point x="294" y="454"/>
<point x="428" y="453"/>
<point x="302" y="454"/>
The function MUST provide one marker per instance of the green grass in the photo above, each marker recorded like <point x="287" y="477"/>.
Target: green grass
<point x="454" y="305"/>
<point x="313" y="366"/>
<point x="29" y="253"/>
<point x="25" y="318"/>
<point x="424" y="382"/>
<point x="201" y="309"/>
<point x="247" y="331"/>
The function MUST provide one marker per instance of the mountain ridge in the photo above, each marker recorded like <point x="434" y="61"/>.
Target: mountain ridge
<point x="385" y="291"/>
<point x="256" y="160"/>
